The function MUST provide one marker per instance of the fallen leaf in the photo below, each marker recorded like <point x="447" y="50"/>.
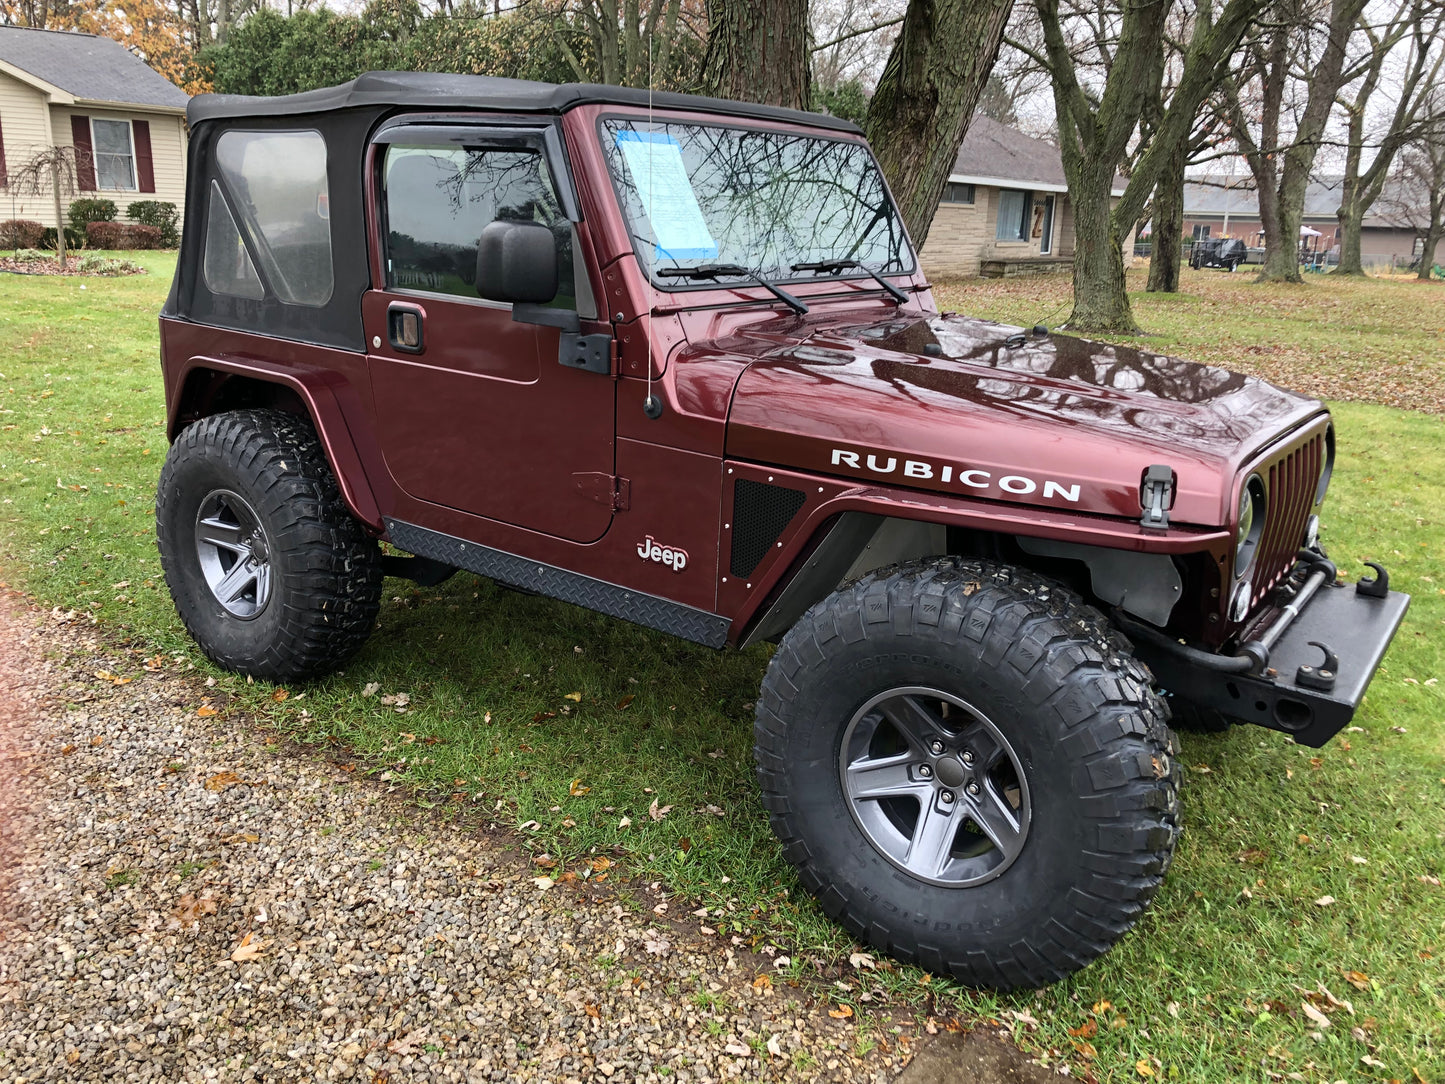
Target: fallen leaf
<point x="408" y="1043"/>
<point x="1357" y="860"/>
<point x="190" y="908"/>
<point x="625" y="822"/>
<point x="545" y="861"/>
<point x="657" y="814"/>
<point x="1101" y="1007"/>
<point x="656" y="946"/>
<point x="763" y="982"/>
<point x="99" y="740"/>
<point x="205" y="711"/>
<point x="625" y="701"/>
<point x="1173" y="1009"/>
<point x="66" y="750"/>
<point x="1425" y="878"/>
<point x="861" y="960"/>
<point x="1358" y="980"/>
<point x="576" y="698"/>
<point x="736" y="1048"/>
<point x="842" y="1012"/>
<point x="1086" y="1050"/>
<point x="577" y="789"/>
<point x="1316" y="1017"/>
<point x="241" y="837"/>
<point x="371" y="688"/>
<point x="592" y="1011"/>
<point x="543" y="883"/>
<point x="1087" y="1030"/>
<point x="782" y="963"/>
<point x="1324" y="901"/>
<point x="279" y="695"/>
<point x="774" y="1048"/>
<point x="248" y="950"/>
<point x="222" y="780"/>
<point x="1143" y="1068"/>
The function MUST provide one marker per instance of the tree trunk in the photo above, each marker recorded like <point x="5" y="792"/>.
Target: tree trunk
<point x="937" y="69"/>
<point x="1433" y="234"/>
<point x="758" y="52"/>
<point x="1101" y="304"/>
<point x="1165" y="254"/>
<point x="1350" y="215"/>
<point x="59" y="220"/>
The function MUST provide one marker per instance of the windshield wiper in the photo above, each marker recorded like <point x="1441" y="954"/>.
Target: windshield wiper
<point x="713" y="270"/>
<point x="832" y="267"/>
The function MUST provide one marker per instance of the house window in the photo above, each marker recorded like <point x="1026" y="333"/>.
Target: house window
<point x="1201" y="232"/>
<point x="1013" y="215"/>
<point x="114" y="155"/>
<point x="957" y="193"/>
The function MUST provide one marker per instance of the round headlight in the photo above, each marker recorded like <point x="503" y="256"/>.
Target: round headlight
<point x="1239" y="602"/>
<point x="1251" y="523"/>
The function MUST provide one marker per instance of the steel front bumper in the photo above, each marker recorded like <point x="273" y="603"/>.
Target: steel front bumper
<point x="1313" y="674"/>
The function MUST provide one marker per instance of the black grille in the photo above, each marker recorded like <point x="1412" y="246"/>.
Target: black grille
<point x="760" y="512"/>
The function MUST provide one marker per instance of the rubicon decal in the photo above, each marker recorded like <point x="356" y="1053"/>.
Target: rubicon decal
<point x="950" y="474"/>
<point x="670" y="556"/>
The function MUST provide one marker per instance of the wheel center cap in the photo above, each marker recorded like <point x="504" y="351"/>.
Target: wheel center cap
<point x="951" y="772"/>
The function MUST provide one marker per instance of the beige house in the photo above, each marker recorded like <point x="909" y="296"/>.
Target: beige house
<point x="1005" y="208"/>
<point x="125" y="122"/>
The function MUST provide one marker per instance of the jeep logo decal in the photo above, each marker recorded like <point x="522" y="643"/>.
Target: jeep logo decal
<point x="1020" y="484"/>
<point x="670" y="556"/>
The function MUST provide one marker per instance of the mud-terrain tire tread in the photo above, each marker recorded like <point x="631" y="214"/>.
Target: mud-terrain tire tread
<point x="331" y="589"/>
<point x="1103" y="701"/>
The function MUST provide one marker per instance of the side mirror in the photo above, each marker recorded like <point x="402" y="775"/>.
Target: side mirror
<point x="517" y="262"/>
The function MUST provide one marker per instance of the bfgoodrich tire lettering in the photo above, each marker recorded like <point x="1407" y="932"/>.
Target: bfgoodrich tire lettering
<point x="1079" y="716"/>
<point x="265" y="471"/>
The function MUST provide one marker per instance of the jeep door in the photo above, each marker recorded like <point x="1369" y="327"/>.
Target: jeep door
<point x="474" y="411"/>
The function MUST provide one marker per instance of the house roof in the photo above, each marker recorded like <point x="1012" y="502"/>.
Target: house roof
<point x="1210" y="196"/>
<point x="85" y="68"/>
<point x="995" y="154"/>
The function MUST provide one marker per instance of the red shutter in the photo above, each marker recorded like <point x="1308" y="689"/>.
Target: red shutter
<point x="4" y="178"/>
<point x="145" y="167"/>
<point x="84" y="152"/>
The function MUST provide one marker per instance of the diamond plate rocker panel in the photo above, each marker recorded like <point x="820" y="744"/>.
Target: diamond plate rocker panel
<point x="688" y="622"/>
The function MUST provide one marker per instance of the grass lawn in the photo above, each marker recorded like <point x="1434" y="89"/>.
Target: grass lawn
<point x="571" y="727"/>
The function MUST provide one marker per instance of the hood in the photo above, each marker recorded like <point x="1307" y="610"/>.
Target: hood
<point x="969" y="407"/>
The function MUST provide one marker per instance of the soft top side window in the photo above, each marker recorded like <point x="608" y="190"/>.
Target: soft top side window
<point x="227" y="266"/>
<point x="277" y="180"/>
<point x="439" y="197"/>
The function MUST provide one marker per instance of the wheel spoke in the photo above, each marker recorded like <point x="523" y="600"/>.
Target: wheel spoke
<point x="999" y="821"/>
<point x="263" y="583"/>
<point x="886" y="777"/>
<point x="223" y="535"/>
<point x="932" y="841"/>
<point x="916" y="723"/>
<point x="233" y="584"/>
<point x="987" y="750"/>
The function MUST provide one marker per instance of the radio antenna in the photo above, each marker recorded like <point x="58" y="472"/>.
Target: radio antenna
<point x="651" y="405"/>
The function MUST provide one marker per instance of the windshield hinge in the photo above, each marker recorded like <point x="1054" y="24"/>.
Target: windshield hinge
<point x="605" y="489"/>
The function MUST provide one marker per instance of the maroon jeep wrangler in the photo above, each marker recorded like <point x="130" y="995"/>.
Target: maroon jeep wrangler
<point x="674" y="359"/>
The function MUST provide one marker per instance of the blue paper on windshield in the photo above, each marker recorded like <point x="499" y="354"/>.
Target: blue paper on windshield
<point x="655" y="162"/>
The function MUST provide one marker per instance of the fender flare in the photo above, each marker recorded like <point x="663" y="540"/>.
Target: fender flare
<point x="328" y="401"/>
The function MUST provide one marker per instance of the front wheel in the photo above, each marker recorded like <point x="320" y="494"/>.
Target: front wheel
<point x="966" y="772"/>
<point x="268" y="570"/>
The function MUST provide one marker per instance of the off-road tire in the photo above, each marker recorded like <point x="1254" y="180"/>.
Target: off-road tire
<point x="325" y="572"/>
<point x="1092" y="738"/>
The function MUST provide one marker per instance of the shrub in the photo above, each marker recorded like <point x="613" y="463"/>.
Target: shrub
<point x="74" y="238"/>
<point x="163" y="216"/>
<point x="107" y="265"/>
<point x="122" y="235"/>
<point x="31" y="255"/>
<point x="21" y="233"/>
<point x="85" y="211"/>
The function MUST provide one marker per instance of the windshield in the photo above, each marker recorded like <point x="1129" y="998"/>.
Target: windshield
<point x="698" y="194"/>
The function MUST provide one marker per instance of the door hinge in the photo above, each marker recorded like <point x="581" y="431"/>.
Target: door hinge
<point x="590" y="353"/>
<point x="606" y="489"/>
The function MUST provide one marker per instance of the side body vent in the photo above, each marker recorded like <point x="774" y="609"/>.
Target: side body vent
<point x="760" y="512"/>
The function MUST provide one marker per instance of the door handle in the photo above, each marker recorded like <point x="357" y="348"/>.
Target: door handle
<point x="404" y="327"/>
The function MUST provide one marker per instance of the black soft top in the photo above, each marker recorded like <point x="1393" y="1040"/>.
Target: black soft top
<point x="432" y="90"/>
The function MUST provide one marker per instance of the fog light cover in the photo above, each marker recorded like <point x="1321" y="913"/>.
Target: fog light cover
<point x="1239" y="602"/>
<point x="1312" y="532"/>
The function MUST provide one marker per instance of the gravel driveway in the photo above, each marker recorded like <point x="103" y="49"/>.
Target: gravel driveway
<point x="178" y="902"/>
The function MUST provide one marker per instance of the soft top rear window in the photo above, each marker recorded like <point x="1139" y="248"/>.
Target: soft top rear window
<point x="277" y="182"/>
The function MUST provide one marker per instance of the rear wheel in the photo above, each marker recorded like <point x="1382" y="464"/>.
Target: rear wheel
<point x="966" y="773"/>
<point x="268" y="570"/>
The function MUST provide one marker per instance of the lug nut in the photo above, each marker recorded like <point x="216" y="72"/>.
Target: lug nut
<point x="936" y="748"/>
<point x="967" y="756"/>
<point x="973" y="789"/>
<point x="925" y="771"/>
<point x="947" y="797"/>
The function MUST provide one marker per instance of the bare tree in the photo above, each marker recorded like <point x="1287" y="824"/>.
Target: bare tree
<point x="1409" y="35"/>
<point x="936" y="71"/>
<point x="1288" y="75"/>
<point x="1415" y="199"/>
<point x="50" y="169"/>
<point x="1100" y="113"/>
<point x="851" y="39"/>
<point x="633" y="41"/>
